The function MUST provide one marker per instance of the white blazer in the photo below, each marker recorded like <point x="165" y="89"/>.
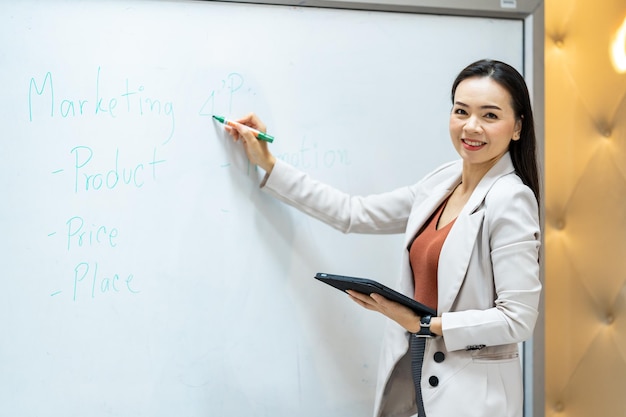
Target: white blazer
<point x="488" y="284"/>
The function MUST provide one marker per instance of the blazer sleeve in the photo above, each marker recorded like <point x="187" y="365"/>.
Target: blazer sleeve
<point x="513" y="238"/>
<point x="377" y="213"/>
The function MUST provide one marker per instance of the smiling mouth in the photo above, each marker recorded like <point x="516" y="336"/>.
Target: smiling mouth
<point x="472" y="143"/>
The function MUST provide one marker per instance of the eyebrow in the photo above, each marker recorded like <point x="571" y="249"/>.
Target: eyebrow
<point x="488" y="106"/>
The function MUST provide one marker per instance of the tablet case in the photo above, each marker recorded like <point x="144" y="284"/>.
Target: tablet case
<point x="368" y="286"/>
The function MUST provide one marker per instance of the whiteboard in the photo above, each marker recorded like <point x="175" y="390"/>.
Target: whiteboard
<point x="143" y="271"/>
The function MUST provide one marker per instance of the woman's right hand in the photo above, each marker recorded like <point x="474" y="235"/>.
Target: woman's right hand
<point x="257" y="150"/>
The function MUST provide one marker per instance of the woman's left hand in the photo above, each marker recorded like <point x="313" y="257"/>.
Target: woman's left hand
<point x="402" y="315"/>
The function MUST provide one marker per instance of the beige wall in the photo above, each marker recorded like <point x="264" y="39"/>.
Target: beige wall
<point x="585" y="227"/>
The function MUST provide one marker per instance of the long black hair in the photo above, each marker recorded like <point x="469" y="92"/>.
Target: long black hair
<point x="524" y="150"/>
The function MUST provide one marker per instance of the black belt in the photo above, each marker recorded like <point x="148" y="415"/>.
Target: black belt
<point x="417" y="347"/>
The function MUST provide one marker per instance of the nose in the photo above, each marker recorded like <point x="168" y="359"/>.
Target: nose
<point x="472" y="125"/>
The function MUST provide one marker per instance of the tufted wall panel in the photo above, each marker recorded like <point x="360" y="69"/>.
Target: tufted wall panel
<point x="585" y="206"/>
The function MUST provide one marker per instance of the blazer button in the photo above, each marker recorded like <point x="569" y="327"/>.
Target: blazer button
<point x="433" y="381"/>
<point x="439" y="357"/>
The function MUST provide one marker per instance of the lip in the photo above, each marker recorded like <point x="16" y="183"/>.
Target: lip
<point x="472" y="144"/>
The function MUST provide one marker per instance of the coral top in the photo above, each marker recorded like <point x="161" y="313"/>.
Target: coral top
<point x="424" y="258"/>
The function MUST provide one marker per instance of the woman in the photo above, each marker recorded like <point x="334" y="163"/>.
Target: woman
<point x="471" y="252"/>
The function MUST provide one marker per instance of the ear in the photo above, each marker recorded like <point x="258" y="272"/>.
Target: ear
<point x="518" y="128"/>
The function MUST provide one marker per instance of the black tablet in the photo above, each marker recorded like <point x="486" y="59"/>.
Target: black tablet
<point x="368" y="286"/>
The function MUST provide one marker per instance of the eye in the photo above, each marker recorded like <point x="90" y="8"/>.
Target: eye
<point x="459" y="110"/>
<point x="491" y="116"/>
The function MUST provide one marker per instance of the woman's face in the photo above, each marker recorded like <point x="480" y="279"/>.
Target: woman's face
<point x="482" y="121"/>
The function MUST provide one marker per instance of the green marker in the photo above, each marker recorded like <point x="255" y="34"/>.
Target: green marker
<point x="258" y="134"/>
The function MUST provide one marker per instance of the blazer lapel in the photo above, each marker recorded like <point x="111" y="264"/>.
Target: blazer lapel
<point x="420" y="214"/>
<point x="425" y="209"/>
<point x="457" y="249"/>
<point x="455" y="257"/>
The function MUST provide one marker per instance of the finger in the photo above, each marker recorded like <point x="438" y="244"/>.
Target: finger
<point x="362" y="303"/>
<point x="253" y="121"/>
<point x="358" y="295"/>
<point x="232" y="132"/>
<point x="248" y="120"/>
<point x="388" y="307"/>
<point x="362" y="298"/>
<point x="379" y="299"/>
<point x="246" y="134"/>
<point x="242" y="132"/>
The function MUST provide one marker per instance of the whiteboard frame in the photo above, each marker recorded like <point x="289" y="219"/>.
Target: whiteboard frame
<point x="531" y="12"/>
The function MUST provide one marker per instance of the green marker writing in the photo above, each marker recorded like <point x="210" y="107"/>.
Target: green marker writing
<point x="257" y="133"/>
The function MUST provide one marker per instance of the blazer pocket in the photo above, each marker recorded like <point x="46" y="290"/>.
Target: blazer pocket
<point x="493" y="357"/>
